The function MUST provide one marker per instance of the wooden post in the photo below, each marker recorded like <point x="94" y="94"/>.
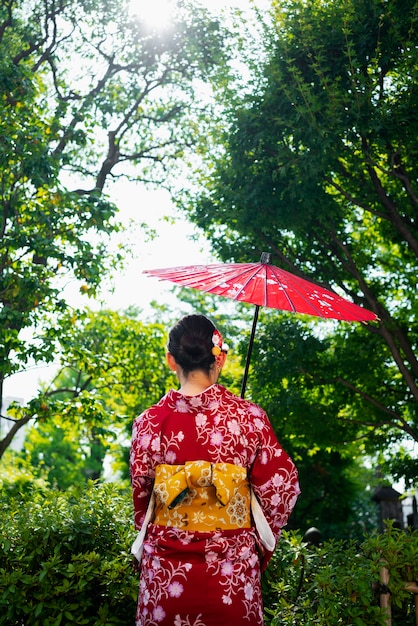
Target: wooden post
<point x="413" y="588"/>
<point x="384" y="594"/>
<point x="416" y="607"/>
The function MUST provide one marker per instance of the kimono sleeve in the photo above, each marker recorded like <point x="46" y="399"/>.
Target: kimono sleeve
<point x="144" y="455"/>
<point x="274" y="478"/>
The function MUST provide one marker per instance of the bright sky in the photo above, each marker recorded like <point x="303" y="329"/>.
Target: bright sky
<point x="157" y="12"/>
<point x="173" y="245"/>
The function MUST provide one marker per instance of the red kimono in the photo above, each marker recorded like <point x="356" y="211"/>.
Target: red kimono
<point x="206" y="577"/>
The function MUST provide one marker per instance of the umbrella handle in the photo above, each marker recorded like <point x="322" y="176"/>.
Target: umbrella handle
<point x="249" y="351"/>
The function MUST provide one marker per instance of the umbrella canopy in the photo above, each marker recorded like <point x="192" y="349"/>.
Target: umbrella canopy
<point x="264" y="284"/>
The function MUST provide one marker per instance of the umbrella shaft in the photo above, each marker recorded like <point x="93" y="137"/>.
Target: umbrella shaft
<point x="249" y="351"/>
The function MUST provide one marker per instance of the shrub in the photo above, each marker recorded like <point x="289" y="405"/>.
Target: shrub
<point x="339" y="581"/>
<point x="65" y="557"/>
<point x="65" y="560"/>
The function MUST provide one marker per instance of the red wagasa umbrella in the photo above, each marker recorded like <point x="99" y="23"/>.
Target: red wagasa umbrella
<point x="264" y="284"/>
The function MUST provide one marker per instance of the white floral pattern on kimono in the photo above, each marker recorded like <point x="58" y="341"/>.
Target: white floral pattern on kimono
<point x="207" y="578"/>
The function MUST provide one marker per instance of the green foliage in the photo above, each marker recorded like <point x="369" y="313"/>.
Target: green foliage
<point x="318" y="166"/>
<point x="87" y="94"/>
<point x="112" y="368"/>
<point x="339" y="582"/>
<point x="66" y="453"/>
<point x="65" y="557"/>
<point x="65" y="560"/>
<point x="320" y="423"/>
<point x="117" y="355"/>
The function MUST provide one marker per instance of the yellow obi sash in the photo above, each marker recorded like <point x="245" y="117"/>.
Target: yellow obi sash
<point x="202" y="496"/>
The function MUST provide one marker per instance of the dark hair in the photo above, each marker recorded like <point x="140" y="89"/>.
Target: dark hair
<point x="190" y="343"/>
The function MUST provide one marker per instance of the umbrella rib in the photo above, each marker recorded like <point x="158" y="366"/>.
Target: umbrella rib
<point x="266" y="299"/>
<point x="279" y="280"/>
<point x="192" y="279"/>
<point x="344" y="304"/>
<point x="264" y="284"/>
<point x="250" y="271"/>
<point x="254" y="270"/>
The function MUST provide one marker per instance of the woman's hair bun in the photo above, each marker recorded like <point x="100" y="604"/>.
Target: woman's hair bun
<point x="190" y="343"/>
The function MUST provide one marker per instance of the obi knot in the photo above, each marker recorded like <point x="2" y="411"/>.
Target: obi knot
<point x="174" y="482"/>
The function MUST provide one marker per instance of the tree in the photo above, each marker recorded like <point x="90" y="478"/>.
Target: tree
<point x="87" y="95"/>
<point x="336" y="485"/>
<point x="112" y="368"/>
<point x="319" y="167"/>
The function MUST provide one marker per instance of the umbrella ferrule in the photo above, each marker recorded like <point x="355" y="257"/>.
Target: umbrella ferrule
<point x="265" y="258"/>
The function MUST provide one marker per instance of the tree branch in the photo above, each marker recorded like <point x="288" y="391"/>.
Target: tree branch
<point x="398" y="418"/>
<point x="6" y="441"/>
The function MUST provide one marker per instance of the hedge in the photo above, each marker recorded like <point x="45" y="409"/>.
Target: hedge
<point x="65" y="559"/>
<point x="339" y="582"/>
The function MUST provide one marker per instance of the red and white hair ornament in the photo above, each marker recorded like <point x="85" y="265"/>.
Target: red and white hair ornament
<point x="217" y="343"/>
